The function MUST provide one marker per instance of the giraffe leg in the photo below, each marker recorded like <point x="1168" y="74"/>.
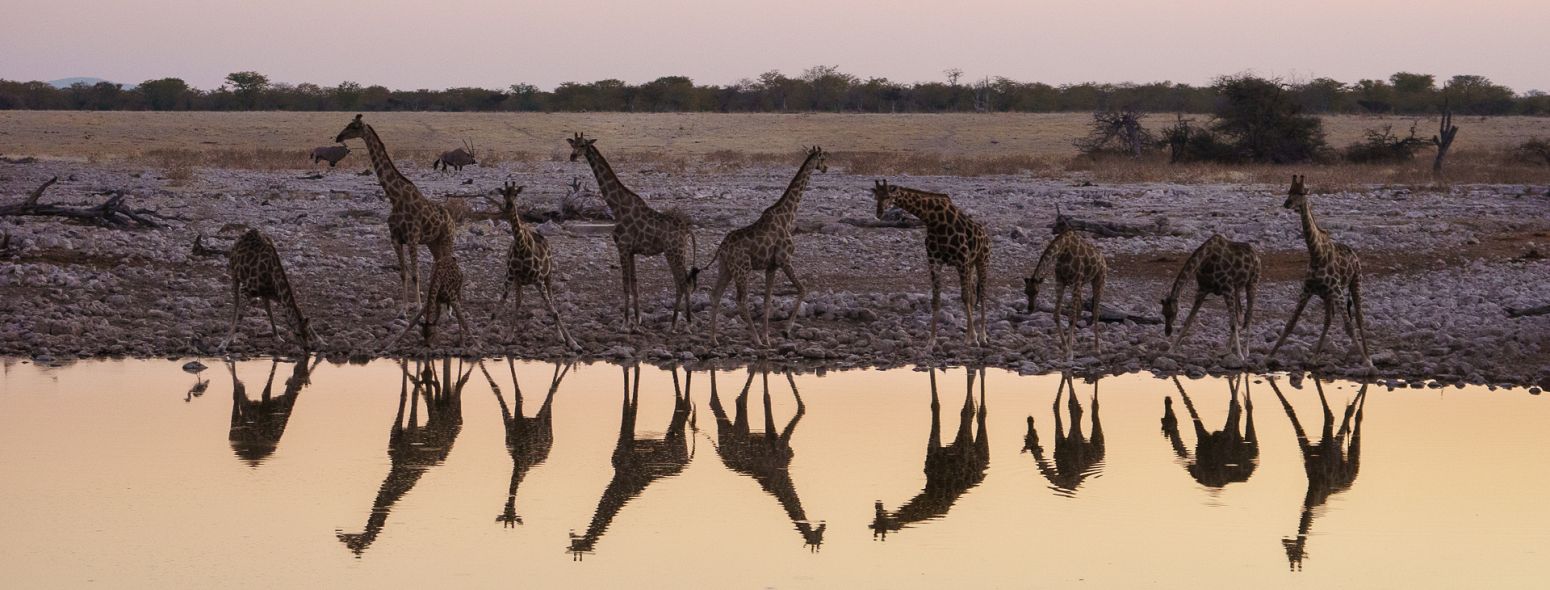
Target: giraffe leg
<point x="1233" y="346"/>
<point x="546" y="292"/>
<point x="1189" y="319"/>
<point x="1076" y="315"/>
<point x="1361" y="328"/>
<point x="1248" y="314"/>
<point x="414" y="269"/>
<point x="626" y="261"/>
<point x="462" y="324"/>
<point x="237" y="300"/>
<point x="796" y="307"/>
<point x="966" y="293"/>
<point x="1329" y="316"/>
<point x="742" y="304"/>
<point x="1060" y="300"/>
<point x="716" y="291"/>
<point x="1097" y="308"/>
<point x="936" y="303"/>
<point x="407" y="328"/>
<point x="769" y="291"/>
<point x="508" y="327"/>
<point x="274" y="331"/>
<point x="981" y="277"/>
<point x="403" y="275"/>
<point x="1302" y="302"/>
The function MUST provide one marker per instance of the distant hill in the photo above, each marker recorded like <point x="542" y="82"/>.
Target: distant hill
<point x="68" y="82"/>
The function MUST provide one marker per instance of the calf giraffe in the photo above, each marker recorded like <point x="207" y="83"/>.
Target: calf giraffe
<point x="528" y="262"/>
<point x="256" y="272"/>
<point x="952" y="239"/>
<point x="445" y="290"/>
<point x="414" y="219"/>
<point x="640" y="230"/>
<point x="764" y="245"/>
<point x="1220" y="267"/>
<point x="1334" y="273"/>
<point x="1075" y="261"/>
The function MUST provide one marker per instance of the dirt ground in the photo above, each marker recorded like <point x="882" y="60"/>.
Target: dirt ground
<point x="1442" y="266"/>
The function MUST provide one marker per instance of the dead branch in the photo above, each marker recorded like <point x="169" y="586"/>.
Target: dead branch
<point x="1108" y="314"/>
<point x="1111" y="229"/>
<point x="1532" y="311"/>
<point x="1444" y="139"/>
<point x="200" y="249"/>
<point x="112" y="213"/>
<point x="901" y="222"/>
<point x="38" y="192"/>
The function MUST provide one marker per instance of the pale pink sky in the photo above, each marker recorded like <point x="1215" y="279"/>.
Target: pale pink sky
<point x="493" y="43"/>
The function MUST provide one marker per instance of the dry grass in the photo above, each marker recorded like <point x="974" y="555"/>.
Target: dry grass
<point x="880" y="145"/>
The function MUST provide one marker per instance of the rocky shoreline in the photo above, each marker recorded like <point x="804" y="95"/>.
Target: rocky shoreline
<point x="1441" y="269"/>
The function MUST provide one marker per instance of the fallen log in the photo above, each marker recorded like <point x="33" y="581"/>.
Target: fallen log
<point x="1518" y="313"/>
<point x="1112" y="229"/>
<point x="901" y="222"/>
<point x="1108" y="314"/>
<point x="111" y="213"/>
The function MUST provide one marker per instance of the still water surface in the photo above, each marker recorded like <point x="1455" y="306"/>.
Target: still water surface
<point x="456" y="474"/>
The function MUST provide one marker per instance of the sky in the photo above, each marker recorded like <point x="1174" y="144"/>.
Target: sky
<point x="495" y="43"/>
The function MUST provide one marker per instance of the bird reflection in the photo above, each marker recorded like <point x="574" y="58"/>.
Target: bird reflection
<point x="1076" y="456"/>
<point x="257" y="425"/>
<point x="528" y="440"/>
<point x="951" y="471"/>
<point x="1331" y="463"/>
<point x="638" y="462"/>
<point x="1226" y="456"/>
<point x="414" y="447"/>
<point x="766" y="456"/>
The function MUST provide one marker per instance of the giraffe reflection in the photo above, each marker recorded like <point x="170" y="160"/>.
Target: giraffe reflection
<point x="415" y="447"/>
<point x="257" y="425"/>
<point x="638" y="462"/>
<point x="766" y="456"/>
<point x="528" y="440"/>
<point x="952" y="470"/>
<point x="1226" y="456"/>
<point x="1331" y="463"/>
<point x="1076" y="456"/>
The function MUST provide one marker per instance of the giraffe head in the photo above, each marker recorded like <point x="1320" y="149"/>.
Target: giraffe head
<point x="1062" y="223"/>
<point x="885" y="194"/>
<point x="508" y="202"/>
<point x="1170" y="305"/>
<point x="1297" y="196"/>
<point x="356" y="129"/>
<point x="820" y="157"/>
<point x="1031" y="289"/>
<point x="579" y="145"/>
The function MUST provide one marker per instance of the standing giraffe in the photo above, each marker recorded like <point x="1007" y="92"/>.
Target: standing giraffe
<point x="951" y="470"/>
<point x="445" y="290"/>
<point x="766" y="456"/>
<point x="764" y="245"/>
<point x="952" y="239"/>
<point x="1331" y="463"/>
<point x="528" y="440"/>
<point x="414" y="219"/>
<point x="1334" y="274"/>
<point x="528" y="263"/>
<point x="1220" y="267"/>
<point x="256" y="272"/>
<point x="640" y="230"/>
<point x="1076" y="261"/>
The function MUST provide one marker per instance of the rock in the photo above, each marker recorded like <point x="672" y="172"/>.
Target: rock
<point x="194" y="366"/>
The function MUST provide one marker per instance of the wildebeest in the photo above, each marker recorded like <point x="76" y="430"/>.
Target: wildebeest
<point x="330" y="153"/>
<point x="455" y="159"/>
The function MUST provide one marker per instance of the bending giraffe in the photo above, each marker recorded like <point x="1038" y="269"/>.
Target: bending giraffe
<point x="1076" y="455"/>
<point x="444" y="291"/>
<point x="952" y="470"/>
<point x="1226" y="456"/>
<point x="528" y="262"/>
<point x="414" y="220"/>
<point x="764" y="245"/>
<point x="1331" y="464"/>
<point x="640" y="230"/>
<point x="1075" y="262"/>
<point x="257" y="425"/>
<point x="528" y="440"/>
<point x="256" y="272"/>
<point x="1219" y="267"/>
<point x="952" y="239"/>
<point x="765" y="457"/>
<point x="1334" y="274"/>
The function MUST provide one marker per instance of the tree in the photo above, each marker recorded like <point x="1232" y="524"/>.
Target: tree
<point x="1264" y="121"/>
<point x="248" y="86"/>
<point x="165" y="94"/>
<point x="1477" y="95"/>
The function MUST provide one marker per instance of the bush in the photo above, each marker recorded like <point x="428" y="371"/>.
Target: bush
<point x="1264" y="122"/>
<point x="1535" y="150"/>
<point x="1187" y="143"/>
<point x="1116" y="132"/>
<point x="1383" y="146"/>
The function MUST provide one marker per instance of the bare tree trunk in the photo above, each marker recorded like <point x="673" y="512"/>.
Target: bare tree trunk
<point x="1444" y="139"/>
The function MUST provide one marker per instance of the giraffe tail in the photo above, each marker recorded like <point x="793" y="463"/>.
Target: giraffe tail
<point x="694" y="257"/>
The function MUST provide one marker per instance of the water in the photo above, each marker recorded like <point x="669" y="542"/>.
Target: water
<point x="112" y="473"/>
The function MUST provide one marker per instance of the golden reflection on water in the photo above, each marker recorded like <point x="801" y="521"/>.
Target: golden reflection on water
<point x="501" y="473"/>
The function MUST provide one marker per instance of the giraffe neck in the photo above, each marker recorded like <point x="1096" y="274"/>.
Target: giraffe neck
<point x="926" y="206"/>
<point x="1052" y="252"/>
<point x="1191" y="266"/>
<point x="1318" y="242"/>
<point x="288" y="299"/>
<point x="784" y="211"/>
<point x="388" y="175"/>
<point x="619" y="199"/>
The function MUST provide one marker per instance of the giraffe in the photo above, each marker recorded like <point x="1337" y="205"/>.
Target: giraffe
<point x="415" y="446"/>
<point x="256" y="272"/>
<point x="951" y="471"/>
<point x="1076" y="456"/>
<point x="766" y="457"/>
<point x="1222" y="457"/>
<point x="1334" y="274"/>
<point x="638" y="462"/>
<point x="445" y="290"/>
<point x="1220" y="267"/>
<point x="1075" y="261"/>
<point x="640" y="230"/>
<point x="1331" y="464"/>
<point x="528" y="440"/>
<point x="528" y="262"/>
<point x="952" y="239"/>
<point x="765" y="245"/>
<point x="257" y="425"/>
<point x="414" y="220"/>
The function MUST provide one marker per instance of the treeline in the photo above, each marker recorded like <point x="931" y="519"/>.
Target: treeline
<point x="818" y="89"/>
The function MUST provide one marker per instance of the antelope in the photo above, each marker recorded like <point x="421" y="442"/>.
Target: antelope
<point x="330" y="153"/>
<point x="455" y="159"/>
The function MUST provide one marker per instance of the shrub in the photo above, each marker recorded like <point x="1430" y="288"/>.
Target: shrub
<point x="1535" y="150"/>
<point x="1383" y="146"/>
<point x="1116" y="132"/>
<point x="1264" y="122"/>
